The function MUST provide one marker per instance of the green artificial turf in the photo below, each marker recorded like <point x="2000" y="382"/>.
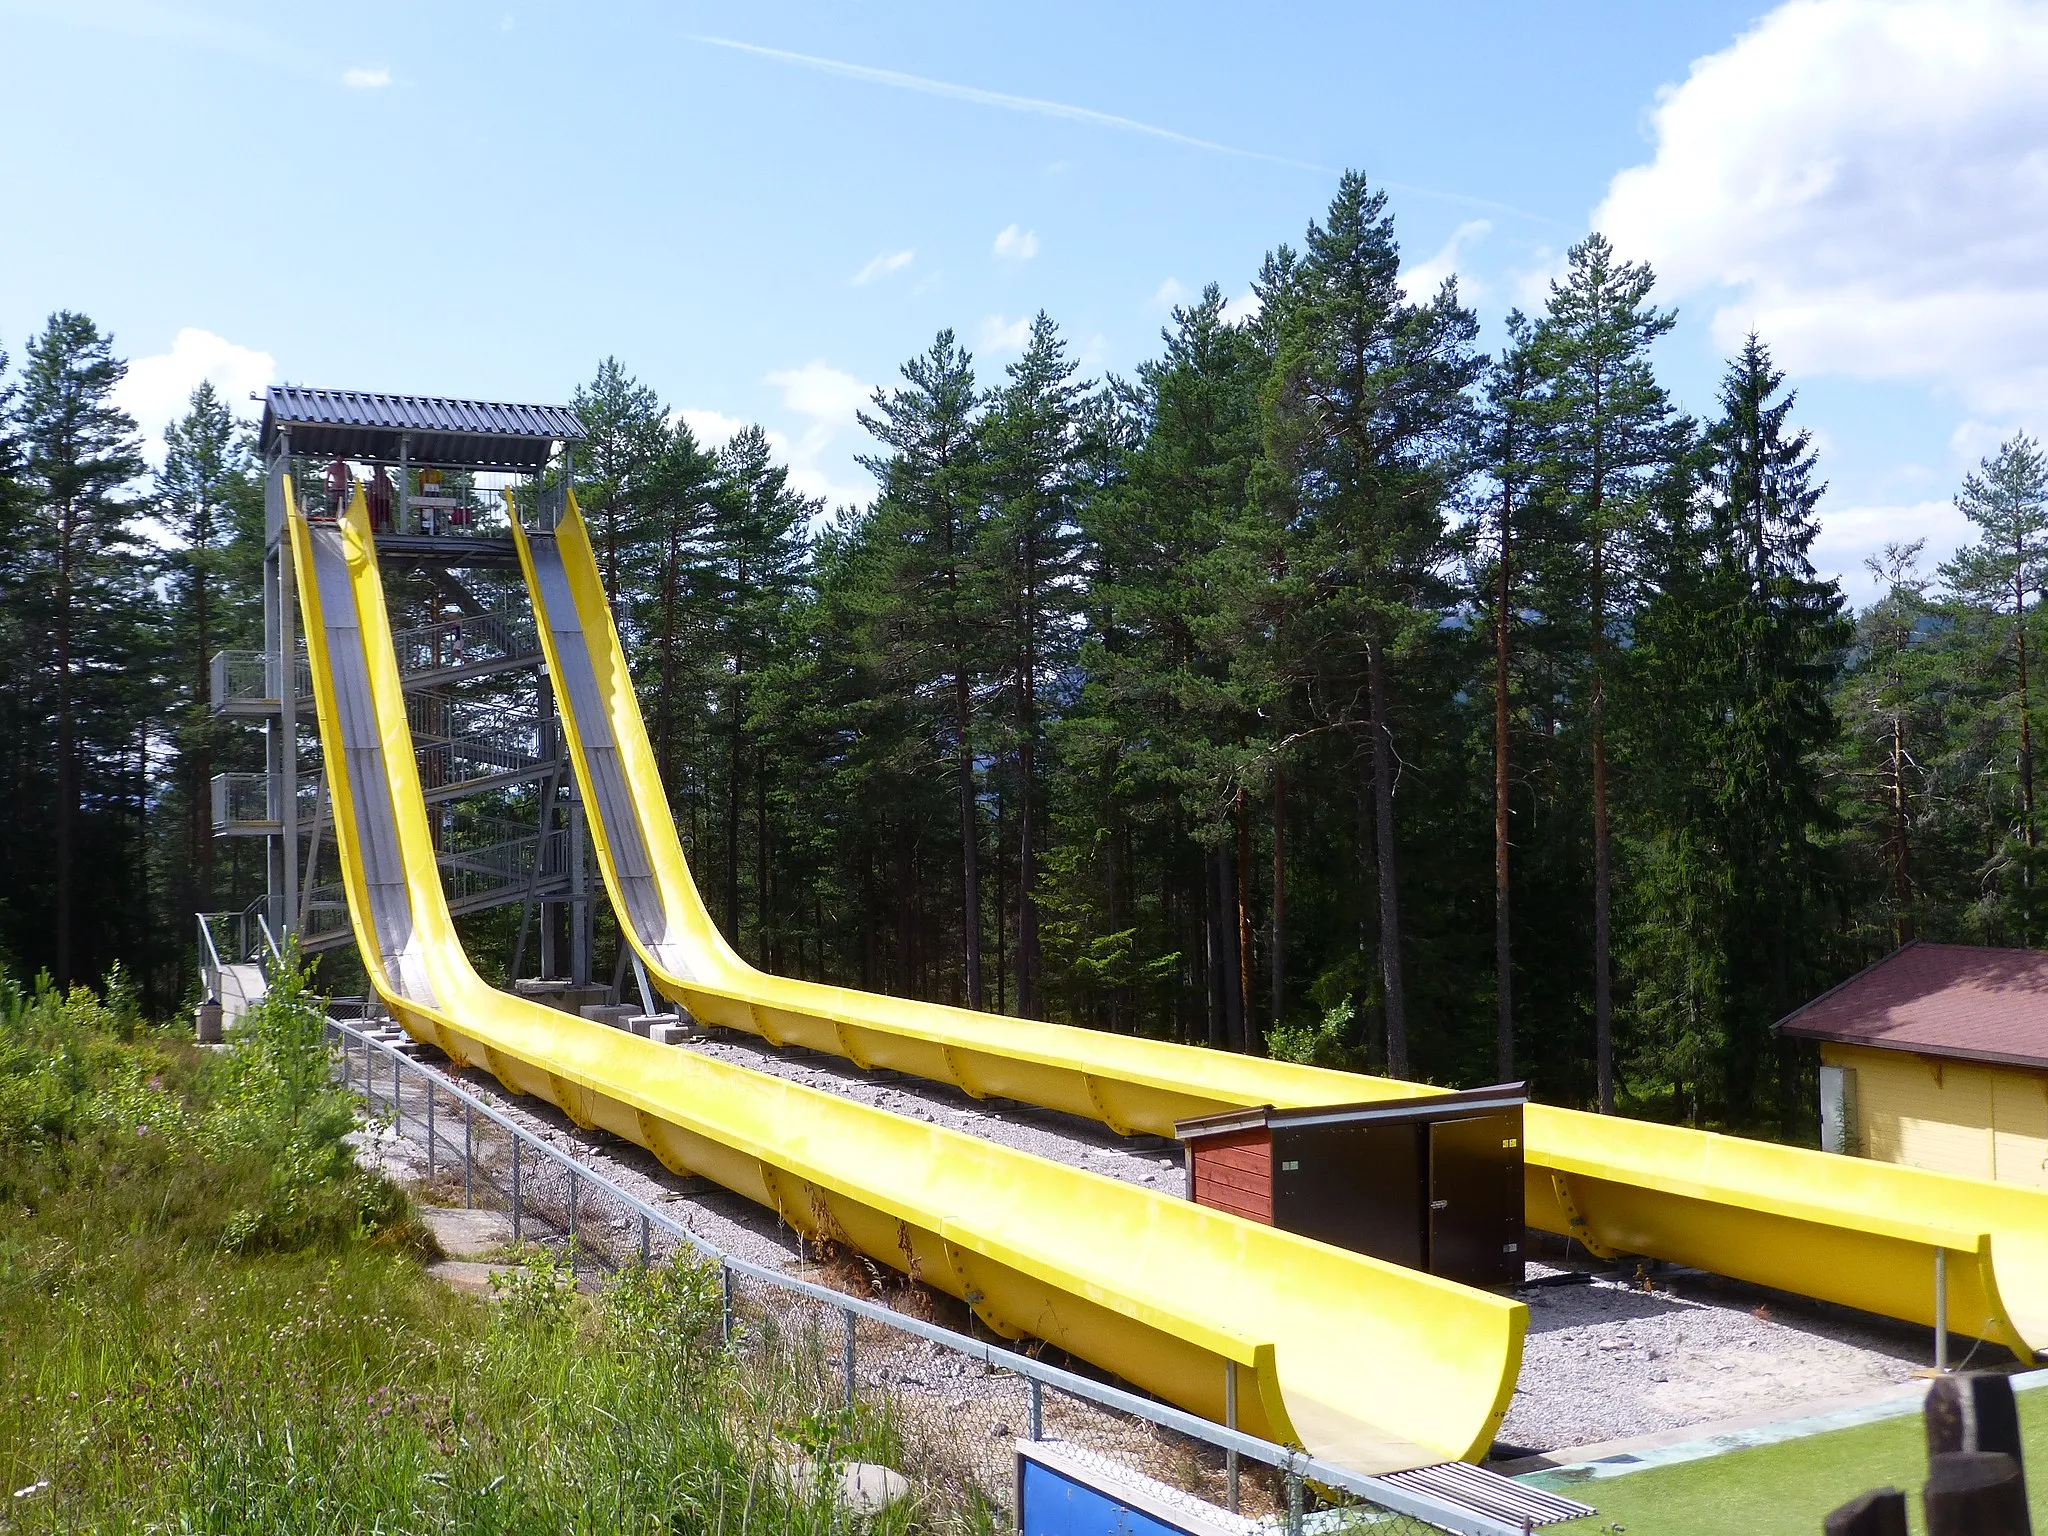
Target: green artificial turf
<point x="1787" y="1489"/>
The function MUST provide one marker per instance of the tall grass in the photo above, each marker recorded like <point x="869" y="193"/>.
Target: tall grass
<point x="212" y="1320"/>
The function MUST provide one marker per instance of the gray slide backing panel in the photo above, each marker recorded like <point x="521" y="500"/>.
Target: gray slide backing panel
<point x="362" y="753"/>
<point x="611" y="801"/>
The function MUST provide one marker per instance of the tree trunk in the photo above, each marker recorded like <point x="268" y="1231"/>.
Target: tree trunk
<point x="970" y="839"/>
<point x="1027" y="880"/>
<point x="1603" y="985"/>
<point x="764" y="908"/>
<point x="1383" y="824"/>
<point x="201" y="774"/>
<point x="1241" y="889"/>
<point x="1901" y="849"/>
<point x="67" y="748"/>
<point x="733" y="793"/>
<point x="1503" y="952"/>
<point x="2019" y="619"/>
<point x="1277" y="960"/>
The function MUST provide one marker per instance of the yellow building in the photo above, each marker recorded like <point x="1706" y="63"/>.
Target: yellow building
<point x="1937" y="1057"/>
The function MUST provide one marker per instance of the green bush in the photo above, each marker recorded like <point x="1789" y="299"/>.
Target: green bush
<point x="1322" y="1044"/>
<point x="205" y="1330"/>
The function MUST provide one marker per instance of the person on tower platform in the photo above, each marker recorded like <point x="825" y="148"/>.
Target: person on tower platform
<point x="338" y="478"/>
<point x="379" y="498"/>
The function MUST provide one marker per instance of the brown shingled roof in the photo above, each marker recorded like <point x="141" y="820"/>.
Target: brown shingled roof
<point x="1962" y="1001"/>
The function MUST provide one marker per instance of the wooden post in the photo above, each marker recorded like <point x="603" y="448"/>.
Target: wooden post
<point x="1975" y="1493"/>
<point x="1881" y="1512"/>
<point x="1972" y="1412"/>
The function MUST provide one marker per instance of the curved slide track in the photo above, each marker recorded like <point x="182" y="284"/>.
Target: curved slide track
<point x="1863" y="1234"/>
<point x="1372" y="1366"/>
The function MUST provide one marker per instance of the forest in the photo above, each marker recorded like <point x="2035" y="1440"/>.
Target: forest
<point x="1328" y="688"/>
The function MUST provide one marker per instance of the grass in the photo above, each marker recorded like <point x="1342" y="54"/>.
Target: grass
<point x="215" y="1322"/>
<point x="1787" y="1489"/>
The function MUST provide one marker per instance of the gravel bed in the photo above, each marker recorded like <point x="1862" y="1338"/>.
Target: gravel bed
<point x="1042" y="1132"/>
<point x="1610" y="1360"/>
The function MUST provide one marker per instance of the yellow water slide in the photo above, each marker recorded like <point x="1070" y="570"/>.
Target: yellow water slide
<point x="1368" y="1364"/>
<point x="1864" y="1234"/>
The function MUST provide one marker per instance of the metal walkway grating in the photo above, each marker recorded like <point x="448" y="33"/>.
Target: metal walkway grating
<point x="1488" y="1493"/>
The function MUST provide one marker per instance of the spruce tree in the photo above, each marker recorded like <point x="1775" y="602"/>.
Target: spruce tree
<point x="83" y="577"/>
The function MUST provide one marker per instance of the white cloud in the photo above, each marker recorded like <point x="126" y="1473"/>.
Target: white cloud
<point x="882" y="266"/>
<point x="1243" y="308"/>
<point x="999" y="335"/>
<point x="712" y="429"/>
<point x="820" y="391"/>
<point x="365" y="78"/>
<point x="1421" y="281"/>
<point x="1850" y="535"/>
<point x="157" y="390"/>
<point x="1864" y="182"/>
<point x="1169" y="293"/>
<point x="1015" y="244"/>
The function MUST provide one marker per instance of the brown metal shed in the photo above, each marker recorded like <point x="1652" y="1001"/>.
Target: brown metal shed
<point x="1434" y="1183"/>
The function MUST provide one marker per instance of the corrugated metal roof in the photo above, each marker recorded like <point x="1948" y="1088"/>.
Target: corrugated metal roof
<point x="480" y="434"/>
<point x="1965" y="1001"/>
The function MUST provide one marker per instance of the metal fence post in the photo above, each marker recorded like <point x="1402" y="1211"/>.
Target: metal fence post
<point x="1941" y="1309"/>
<point x="572" y="1219"/>
<point x="515" y="1189"/>
<point x="848" y="1316"/>
<point x="1293" y="1501"/>
<point x="1230" y="1422"/>
<point x="467" y="1200"/>
<point x="1037" y="1408"/>
<point x="724" y="1303"/>
<point x="644" y="1240"/>
<point x="430" y="1129"/>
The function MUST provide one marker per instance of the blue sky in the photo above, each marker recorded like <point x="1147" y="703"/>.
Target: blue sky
<point x="762" y="211"/>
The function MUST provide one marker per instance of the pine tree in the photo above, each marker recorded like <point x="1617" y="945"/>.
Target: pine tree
<point x="1886" y="706"/>
<point x="2003" y="573"/>
<point x="1510" y="451"/>
<point x="625" y="432"/>
<point x="755" y="557"/>
<point x="1609" y="432"/>
<point x="930" y="510"/>
<point x="1368" y="417"/>
<point x="209" y="495"/>
<point x="79" y="452"/>
<point x="1030" y="443"/>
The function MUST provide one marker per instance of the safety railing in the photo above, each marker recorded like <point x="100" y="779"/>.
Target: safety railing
<point x="244" y="803"/>
<point x="958" y="1402"/>
<point x="246" y="682"/>
<point x="470" y="643"/>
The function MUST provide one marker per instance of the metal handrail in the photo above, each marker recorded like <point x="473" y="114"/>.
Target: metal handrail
<point x="1296" y="1463"/>
<point x="209" y="960"/>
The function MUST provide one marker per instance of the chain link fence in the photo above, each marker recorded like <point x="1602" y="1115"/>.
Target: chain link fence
<point x="840" y="1338"/>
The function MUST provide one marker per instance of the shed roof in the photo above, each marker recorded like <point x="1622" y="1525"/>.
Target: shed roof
<point x="1966" y="1002"/>
<point x="475" y="434"/>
